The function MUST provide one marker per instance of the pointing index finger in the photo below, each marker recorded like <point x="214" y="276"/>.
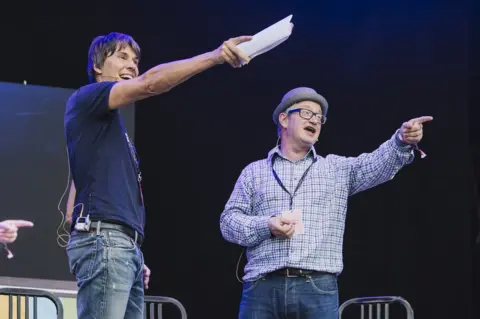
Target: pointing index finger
<point x="20" y="223"/>
<point x="423" y="119"/>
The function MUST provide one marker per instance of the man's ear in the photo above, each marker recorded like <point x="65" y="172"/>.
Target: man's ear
<point x="97" y="70"/>
<point x="283" y="119"/>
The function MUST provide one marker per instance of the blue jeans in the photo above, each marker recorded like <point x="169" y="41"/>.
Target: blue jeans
<point x="281" y="297"/>
<point x="108" y="266"/>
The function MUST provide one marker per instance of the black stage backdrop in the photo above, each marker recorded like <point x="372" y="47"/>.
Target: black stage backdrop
<point x="378" y="63"/>
<point x="474" y="115"/>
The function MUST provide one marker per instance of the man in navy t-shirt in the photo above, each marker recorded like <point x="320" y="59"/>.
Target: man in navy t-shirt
<point x="105" y="205"/>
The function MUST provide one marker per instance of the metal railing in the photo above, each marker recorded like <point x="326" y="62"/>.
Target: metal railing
<point x="27" y="294"/>
<point x="376" y="303"/>
<point x="154" y="307"/>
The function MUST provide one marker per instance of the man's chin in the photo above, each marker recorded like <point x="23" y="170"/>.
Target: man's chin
<point x="309" y="142"/>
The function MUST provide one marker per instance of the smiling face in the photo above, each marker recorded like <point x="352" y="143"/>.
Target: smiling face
<point x="298" y="130"/>
<point x="121" y="65"/>
<point x="113" y="57"/>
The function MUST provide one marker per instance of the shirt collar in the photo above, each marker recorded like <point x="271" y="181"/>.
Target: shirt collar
<point x="277" y="151"/>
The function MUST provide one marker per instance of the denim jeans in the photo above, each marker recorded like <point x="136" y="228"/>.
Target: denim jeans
<point x="282" y="297"/>
<point x="108" y="267"/>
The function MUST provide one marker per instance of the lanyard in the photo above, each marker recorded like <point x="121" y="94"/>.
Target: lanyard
<point x="279" y="181"/>
<point x="133" y="153"/>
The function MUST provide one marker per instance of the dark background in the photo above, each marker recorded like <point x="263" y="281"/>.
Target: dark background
<point x="379" y="63"/>
<point x="34" y="177"/>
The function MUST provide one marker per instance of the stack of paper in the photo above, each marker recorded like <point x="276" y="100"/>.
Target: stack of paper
<point x="268" y="38"/>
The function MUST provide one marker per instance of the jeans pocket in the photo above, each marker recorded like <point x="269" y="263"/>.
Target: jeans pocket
<point x="119" y="240"/>
<point x="324" y="284"/>
<point x="250" y="285"/>
<point x="82" y="251"/>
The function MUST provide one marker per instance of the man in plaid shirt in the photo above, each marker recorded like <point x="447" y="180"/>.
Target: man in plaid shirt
<point x="289" y="211"/>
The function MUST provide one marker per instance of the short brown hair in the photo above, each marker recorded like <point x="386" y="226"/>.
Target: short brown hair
<point x="104" y="46"/>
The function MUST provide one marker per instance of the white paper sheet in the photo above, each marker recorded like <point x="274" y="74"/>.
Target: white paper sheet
<point x="295" y="215"/>
<point x="268" y="38"/>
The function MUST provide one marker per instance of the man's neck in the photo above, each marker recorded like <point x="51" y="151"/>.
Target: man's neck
<point x="293" y="152"/>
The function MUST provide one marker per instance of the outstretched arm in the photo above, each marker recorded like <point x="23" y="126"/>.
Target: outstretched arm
<point x="166" y="76"/>
<point x="371" y="169"/>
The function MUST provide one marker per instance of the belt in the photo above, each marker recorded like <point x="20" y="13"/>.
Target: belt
<point x="124" y="229"/>
<point x="294" y="272"/>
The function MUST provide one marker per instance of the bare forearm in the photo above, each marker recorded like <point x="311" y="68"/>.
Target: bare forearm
<point x="166" y="76"/>
<point x="70" y="203"/>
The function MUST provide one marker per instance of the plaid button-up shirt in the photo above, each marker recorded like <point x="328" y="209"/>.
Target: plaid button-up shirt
<point x="322" y="198"/>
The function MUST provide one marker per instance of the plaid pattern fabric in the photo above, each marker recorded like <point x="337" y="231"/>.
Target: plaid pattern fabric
<point x="322" y="198"/>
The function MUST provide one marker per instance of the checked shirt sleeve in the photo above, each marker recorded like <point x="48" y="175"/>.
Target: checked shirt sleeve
<point x="237" y="222"/>
<point x="371" y="169"/>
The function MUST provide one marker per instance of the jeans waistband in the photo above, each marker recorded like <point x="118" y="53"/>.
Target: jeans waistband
<point x="98" y="226"/>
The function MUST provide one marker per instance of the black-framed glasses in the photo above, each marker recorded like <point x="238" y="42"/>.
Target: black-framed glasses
<point x="307" y="114"/>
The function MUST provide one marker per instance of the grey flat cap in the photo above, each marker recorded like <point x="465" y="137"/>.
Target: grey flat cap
<point x="298" y="95"/>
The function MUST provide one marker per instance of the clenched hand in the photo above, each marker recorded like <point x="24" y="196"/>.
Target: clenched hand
<point x="146" y="276"/>
<point x="228" y="52"/>
<point x="281" y="227"/>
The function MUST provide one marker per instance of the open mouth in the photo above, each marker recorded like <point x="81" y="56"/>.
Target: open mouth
<point x="311" y="130"/>
<point x="126" y="76"/>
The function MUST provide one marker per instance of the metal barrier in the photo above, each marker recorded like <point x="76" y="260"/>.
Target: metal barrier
<point x="386" y="301"/>
<point x="158" y="301"/>
<point x="153" y="305"/>
<point x="35" y="294"/>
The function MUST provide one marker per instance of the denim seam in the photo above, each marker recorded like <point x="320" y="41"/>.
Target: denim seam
<point x="103" y="303"/>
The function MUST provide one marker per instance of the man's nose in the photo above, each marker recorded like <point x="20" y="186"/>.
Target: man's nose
<point x="132" y="68"/>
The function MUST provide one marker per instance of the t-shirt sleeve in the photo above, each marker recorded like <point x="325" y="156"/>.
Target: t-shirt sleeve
<point x="90" y="100"/>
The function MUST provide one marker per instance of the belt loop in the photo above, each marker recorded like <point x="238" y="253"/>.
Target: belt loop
<point x="98" y="227"/>
<point x="292" y="275"/>
<point x="136" y="237"/>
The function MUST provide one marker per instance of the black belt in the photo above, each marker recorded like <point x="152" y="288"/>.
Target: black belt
<point x="294" y="272"/>
<point x="124" y="229"/>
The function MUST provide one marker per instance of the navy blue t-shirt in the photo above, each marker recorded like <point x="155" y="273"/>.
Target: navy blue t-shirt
<point x="102" y="161"/>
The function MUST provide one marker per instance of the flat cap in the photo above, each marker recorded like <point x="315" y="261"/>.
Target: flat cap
<point x="298" y="95"/>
